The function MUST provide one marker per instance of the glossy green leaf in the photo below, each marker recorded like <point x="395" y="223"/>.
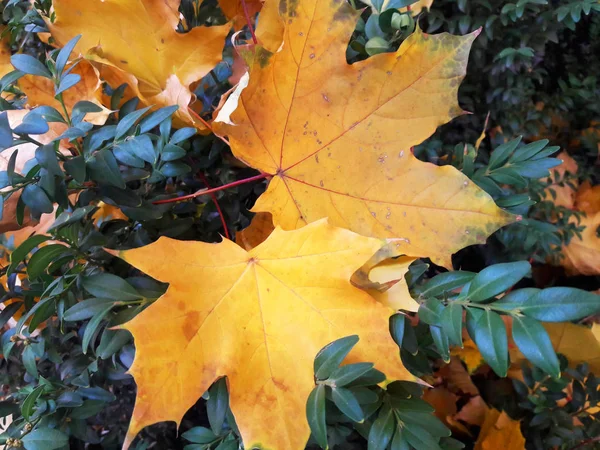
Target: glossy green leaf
<point x="533" y="341"/>
<point x="561" y="304"/>
<point x="488" y="331"/>
<point x="347" y="403"/>
<point x="495" y="279"/>
<point x="315" y="414"/>
<point x="331" y="356"/>
<point x="106" y="285"/>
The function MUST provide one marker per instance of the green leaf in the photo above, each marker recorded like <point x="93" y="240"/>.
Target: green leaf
<point x="501" y="154"/>
<point x="515" y="299"/>
<point x="155" y="118"/>
<point x="182" y="134"/>
<point x="67" y="82"/>
<point x="445" y="282"/>
<point x="561" y="304"/>
<point x="106" y="285"/>
<point x="495" y="279"/>
<point x="30" y="400"/>
<point x="87" y="308"/>
<point x="35" y="197"/>
<point x="347" y="374"/>
<point x="347" y="403"/>
<point x="399" y="442"/>
<point x="430" y="311"/>
<point x="65" y="52"/>
<point x="111" y="342"/>
<point x="76" y="168"/>
<point x="88" y="409"/>
<point x="315" y="414"/>
<point x="23" y="250"/>
<point x="199" y="435"/>
<point x="420" y="439"/>
<point x="103" y="167"/>
<point x="29" y="65"/>
<point x="45" y="439"/>
<point x="534" y="342"/>
<point x="92" y="326"/>
<point x="43" y="257"/>
<point x="331" y="356"/>
<point x="487" y="330"/>
<point x="8" y="312"/>
<point x="440" y="339"/>
<point x="29" y="362"/>
<point x="376" y="45"/>
<point x="451" y="320"/>
<point x="128" y="121"/>
<point x="217" y="404"/>
<point x="382" y="430"/>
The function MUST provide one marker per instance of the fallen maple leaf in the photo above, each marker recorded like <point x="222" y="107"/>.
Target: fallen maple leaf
<point x="500" y="431"/>
<point x="40" y="91"/>
<point x="563" y="195"/>
<point x="5" y="53"/>
<point x="581" y="256"/>
<point x="337" y="137"/>
<point x="257" y="317"/>
<point x="139" y="38"/>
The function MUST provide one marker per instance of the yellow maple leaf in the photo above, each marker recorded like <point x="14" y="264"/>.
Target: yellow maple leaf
<point x="5" y="53"/>
<point x="499" y="431"/>
<point x="337" y="137"/>
<point x="257" y="317"/>
<point x="40" y="91"/>
<point x="563" y="195"/>
<point x="139" y="38"/>
<point x="383" y="276"/>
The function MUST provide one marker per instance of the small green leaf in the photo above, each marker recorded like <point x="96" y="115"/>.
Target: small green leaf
<point x="501" y="154"/>
<point x="65" y="52"/>
<point x="128" y="121"/>
<point x="45" y="439"/>
<point x="87" y="308"/>
<point x="30" y="400"/>
<point x="431" y="311"/>
<point x="487" y="330"/>
<point x="399" y="442"/>
<point x="331" y="356"/>
<point x="561" y="304"/>
<point x="23" y="250"/>
<point x="495" y="279"/>
<point x="445" y="282"/>
<point x="35" y="197"/>
<point x="347" y="374"/>
<point x="29" y="65"/>
<point x="376" y="45"/>
<point x="382" y="429"/>
<point x="440" y="339"/>
<point x="92" y="326"/>
<point x="451" y="320"/>
<point x="199" y="435"/>
<point x="106" y="285"/>
<point x="534" y="342"/>
<point x="217" y="404"/>
<point x="43" y="257"/>
<point x="29" y="362"/>
<point x="155" y="118"/>
<point x="315" y="414"/>
<point x="347" y="403"/>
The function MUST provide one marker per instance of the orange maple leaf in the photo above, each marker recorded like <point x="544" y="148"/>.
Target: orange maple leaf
<point x="258" y="317"/>
<point x="337" y="137"/>
<point x="138" y="43"/>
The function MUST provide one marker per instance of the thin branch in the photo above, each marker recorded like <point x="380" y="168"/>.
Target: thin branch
<point x="261" y="176"/>
<point x="249" y="22"/>
<point x="216" y="202"/>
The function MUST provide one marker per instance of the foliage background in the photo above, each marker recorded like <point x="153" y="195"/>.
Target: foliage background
<point x="532" y="70"/>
